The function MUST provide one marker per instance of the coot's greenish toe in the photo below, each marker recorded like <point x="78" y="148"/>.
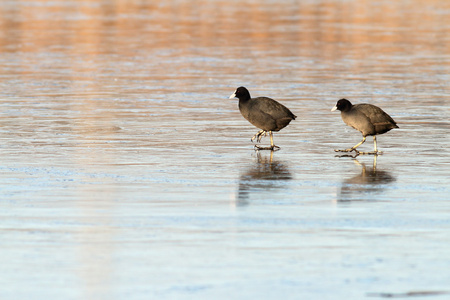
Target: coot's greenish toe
<point x="265" y="113"/>
<point x="366" y="118"/>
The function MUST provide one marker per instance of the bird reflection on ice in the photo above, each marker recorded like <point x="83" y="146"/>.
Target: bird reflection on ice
<point x="262" y="177"/>
<point x="362" y="186"/>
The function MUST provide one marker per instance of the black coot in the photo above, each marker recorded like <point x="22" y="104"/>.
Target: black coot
<point x="265" y="113"/>
<point x="366" y="118"/>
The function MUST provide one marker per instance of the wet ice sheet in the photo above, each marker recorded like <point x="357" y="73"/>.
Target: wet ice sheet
<point x="126" y="171"/>
<point x="282" y="230"/>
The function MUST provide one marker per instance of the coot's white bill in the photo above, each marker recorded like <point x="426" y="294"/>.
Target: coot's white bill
<point x="233" y="96"/>
<point x="334" y="108"/>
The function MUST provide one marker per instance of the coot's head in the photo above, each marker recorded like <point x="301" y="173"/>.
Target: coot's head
<point x="241" y="93"/>
<point x="342" y="105"/>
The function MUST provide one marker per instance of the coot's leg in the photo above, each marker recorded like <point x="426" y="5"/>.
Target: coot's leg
<point x="353" y="148"/>
<point x="261" y="135"/>
<point x="258" y="136"/>
<point x="272" y="146"/>
<point x="375" y="151"/>
<point x="255" y="136"/>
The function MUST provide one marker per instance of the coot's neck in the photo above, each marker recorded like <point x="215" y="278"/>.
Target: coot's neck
<point x="243" y="103"/>
<point x="346" y="108"/>
<point x="244" y="99"/>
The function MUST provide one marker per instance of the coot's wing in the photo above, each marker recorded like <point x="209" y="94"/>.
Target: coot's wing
<point x="261" y="119"/>
<point x="273" y="108"/>
<point x="269" y="114"/>
<point x="375" y="114"/>
<point x="380" y="120"/>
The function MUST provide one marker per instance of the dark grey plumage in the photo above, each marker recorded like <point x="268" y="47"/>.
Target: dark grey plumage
<point x="367" y="119"/>
<point x="264" y="113"/>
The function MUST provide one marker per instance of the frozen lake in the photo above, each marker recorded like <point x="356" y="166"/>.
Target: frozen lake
<point x="127" y="173"/>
